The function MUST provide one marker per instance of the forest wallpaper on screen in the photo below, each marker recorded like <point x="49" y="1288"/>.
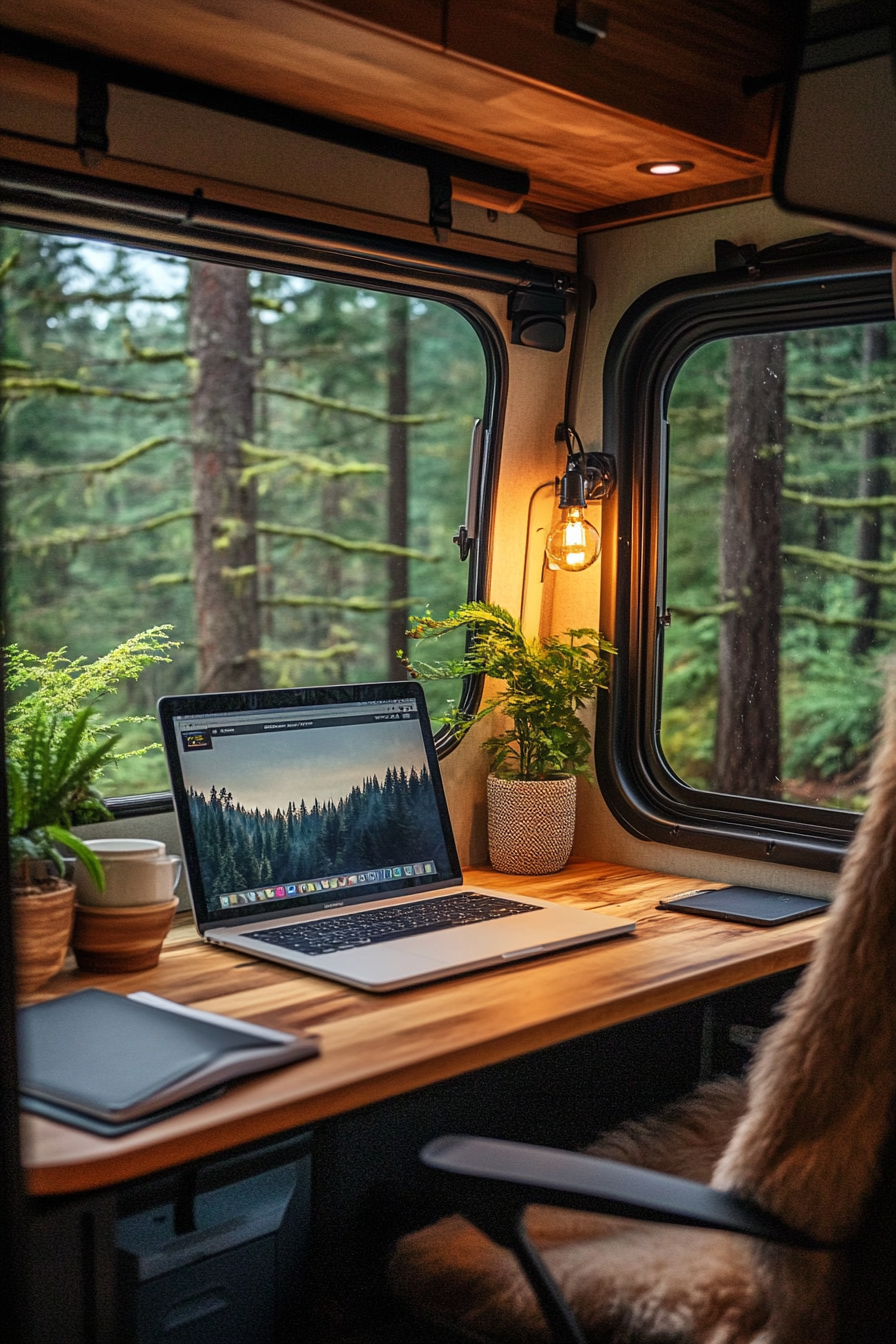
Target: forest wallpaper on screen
<point x="375" y="825"/>
<point x="272" y="465"/>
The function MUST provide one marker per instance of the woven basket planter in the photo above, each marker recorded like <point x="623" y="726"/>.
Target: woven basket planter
<point x="531" y="823"/>
<point x="43" y="927"/>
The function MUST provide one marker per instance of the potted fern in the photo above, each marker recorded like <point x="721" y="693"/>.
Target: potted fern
<point x="535" y="762"/>
<point x="49" y="779"/>
<point x="57" y="746"/>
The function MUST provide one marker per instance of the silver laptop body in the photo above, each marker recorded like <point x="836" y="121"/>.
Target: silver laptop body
<point x="316" y="834"/>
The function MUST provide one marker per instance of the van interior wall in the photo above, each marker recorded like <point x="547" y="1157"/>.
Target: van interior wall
<point x="167" y="147"/>
<point x="624" y="263"/>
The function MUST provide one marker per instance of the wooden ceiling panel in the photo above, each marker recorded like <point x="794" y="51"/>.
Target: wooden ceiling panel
<point x="679" y="65"/>
<point x="581" y="155"/>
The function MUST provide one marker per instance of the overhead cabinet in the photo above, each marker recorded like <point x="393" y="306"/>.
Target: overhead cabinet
<point x="680" y="65"/>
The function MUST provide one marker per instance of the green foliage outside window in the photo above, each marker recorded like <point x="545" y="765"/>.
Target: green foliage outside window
<point x="838" y="612"/>
<point x="98" y="381"/>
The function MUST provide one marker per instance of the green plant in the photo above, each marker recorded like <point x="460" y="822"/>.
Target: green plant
<point x="545" y="682"/>
<point x="66" y="685"/>
<point x="57" y="744"/>
<point x="49" y="781"/>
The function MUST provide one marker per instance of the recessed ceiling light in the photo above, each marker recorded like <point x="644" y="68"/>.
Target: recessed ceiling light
<point x="666" y="169"/>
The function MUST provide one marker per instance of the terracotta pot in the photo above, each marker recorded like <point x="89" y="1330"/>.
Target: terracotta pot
<point x="531" y="823"/>
<point x="43" y="925"/>
<point x="121" y="937"/>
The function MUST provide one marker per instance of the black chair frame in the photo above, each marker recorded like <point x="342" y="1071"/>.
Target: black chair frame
<point x="491" y="1181"/>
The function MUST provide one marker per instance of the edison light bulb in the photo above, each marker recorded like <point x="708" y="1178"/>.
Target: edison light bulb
<point x="573" y="543"/>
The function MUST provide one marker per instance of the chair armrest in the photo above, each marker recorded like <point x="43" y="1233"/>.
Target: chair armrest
<point x="574" y="1180"/>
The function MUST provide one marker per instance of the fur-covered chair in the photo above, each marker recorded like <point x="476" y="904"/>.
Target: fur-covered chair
<point x="808" y="1138"/>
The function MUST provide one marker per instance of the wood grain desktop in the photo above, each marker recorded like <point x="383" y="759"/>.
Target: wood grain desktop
<point x="377" y="1046"/>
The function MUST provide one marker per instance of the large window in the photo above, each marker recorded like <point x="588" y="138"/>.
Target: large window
<point x="271" y="465"/>
<point x="780" y="562"/>
<point x="754" y="419"/>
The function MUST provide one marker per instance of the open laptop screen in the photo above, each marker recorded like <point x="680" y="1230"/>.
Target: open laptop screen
<point x="308" y="798"/>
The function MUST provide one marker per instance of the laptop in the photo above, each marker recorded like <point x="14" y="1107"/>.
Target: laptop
<point x="315" y="834"/>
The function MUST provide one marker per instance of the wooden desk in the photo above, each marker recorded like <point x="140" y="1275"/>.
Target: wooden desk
<point x="379" y="1046"/>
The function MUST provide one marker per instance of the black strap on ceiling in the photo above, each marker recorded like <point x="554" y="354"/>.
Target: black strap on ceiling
<point x="96" y="71"/>
<point x="91" y="135"/>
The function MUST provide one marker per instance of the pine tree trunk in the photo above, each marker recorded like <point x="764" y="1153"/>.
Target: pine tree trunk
<point x="227" y="618"/>
<point x="747" y="750"/>
<point x="398" y="480"/>
<point x="873" y="481"/>
<point x="325" y="626"/>
<point x="332" y="629"/>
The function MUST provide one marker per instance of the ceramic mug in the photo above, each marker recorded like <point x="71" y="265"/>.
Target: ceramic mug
<point x="138" y="872"/>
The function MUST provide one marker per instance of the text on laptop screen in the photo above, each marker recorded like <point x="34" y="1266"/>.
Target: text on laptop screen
<point x="310" y="805"/>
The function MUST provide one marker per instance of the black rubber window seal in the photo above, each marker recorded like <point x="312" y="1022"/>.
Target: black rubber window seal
<point x="809" y="283"/>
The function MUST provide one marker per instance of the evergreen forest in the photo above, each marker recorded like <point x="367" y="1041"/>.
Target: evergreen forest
<point x="272" y="465"/>
<point x="376" y="825"/>
<point x="781" y="562"/>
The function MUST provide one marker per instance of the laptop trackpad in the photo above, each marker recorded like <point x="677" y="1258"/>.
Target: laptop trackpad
<point x="382" y="964"/>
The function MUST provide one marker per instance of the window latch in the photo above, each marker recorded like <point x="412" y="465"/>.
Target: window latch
<point x="466" y="533"/>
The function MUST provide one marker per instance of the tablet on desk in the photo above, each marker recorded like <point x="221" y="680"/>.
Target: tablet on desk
<point x="746" y="905"/>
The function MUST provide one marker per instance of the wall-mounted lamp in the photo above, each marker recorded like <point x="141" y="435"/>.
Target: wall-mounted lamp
<point x="573" y="543"/>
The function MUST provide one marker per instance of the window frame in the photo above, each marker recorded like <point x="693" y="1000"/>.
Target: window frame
<point x="247" y="243"/>
<point x="810" y="283"/>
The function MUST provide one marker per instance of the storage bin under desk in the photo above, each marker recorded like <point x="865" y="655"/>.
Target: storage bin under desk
<point x="218" y="1252"/>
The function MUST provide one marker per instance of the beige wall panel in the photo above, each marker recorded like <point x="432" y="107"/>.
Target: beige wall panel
<point x="148" y="129"/>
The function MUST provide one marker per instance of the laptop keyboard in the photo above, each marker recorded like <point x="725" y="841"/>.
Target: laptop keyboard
<point x="341" y="933"/>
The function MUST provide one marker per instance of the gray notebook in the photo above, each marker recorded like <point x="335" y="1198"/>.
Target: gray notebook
<point x="117" y="1059"/>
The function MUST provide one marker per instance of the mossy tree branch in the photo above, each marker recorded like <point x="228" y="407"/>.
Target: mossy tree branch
<point x="340" y="603"/>
<point x="306" y="655"/>
<point x="695" y="613"/>
<point x="343" y="543"/>
<point x="148" y="354"/>
<point x="850" y="622"/>
<point x="24" y="471"/>
<point x="841" y="390"/>
<point x="882" y="572"/>
<point x="839" y="503"/>
<point x="79" y="536"/>
<point x="348" y="408"/>
<point x="20" y="388"/>
<point x="843" y="426"/>
<point x="270" y="461"/>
